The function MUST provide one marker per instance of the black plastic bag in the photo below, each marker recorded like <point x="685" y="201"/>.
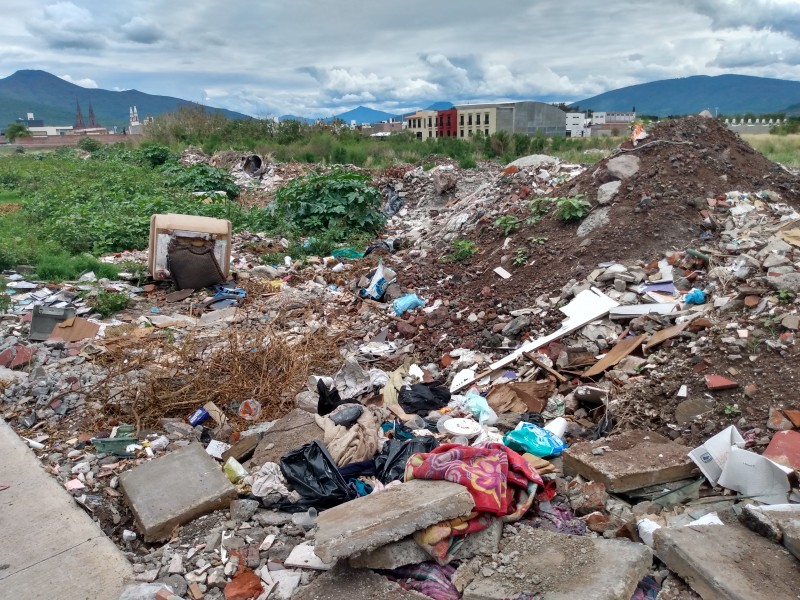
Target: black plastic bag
<point x="311" y="472"/>
<point x="390" y="464"/>
<point x="328" y="399"/>
<point x="422" y="398"/>
<point x="347" y="415"/>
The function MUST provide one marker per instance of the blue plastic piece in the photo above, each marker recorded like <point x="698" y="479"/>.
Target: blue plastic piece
<point x="407" y="302"/>
<point x="695" y="296"/>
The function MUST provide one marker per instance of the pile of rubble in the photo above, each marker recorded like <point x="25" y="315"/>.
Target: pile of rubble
<point x="395" y="425"/>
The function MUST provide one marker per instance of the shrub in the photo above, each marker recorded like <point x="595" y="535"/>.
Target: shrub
<point x="108" y="303"/>
<point x="88" y="144"/>
<point x="572" y="209"/>
<point x="154" y="154"/>
<point x="340" y="204"/>
<point x="201" y="178"/>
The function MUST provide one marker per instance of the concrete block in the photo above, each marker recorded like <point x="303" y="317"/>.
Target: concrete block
<point x="174" y="489"/>
<point x="554" y="566"/>
<point x="632" y="460"/>
<point x="779" y="523"/>
<point x="372" y="521"/>
<point x="623" y="166"/>
<point x="288" y="433"/>
<point x="728" y="562"/>
<point x="408" y="552"/>
<point x="354" y="584"/>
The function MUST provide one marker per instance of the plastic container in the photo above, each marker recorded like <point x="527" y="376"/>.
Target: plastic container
<point x="198" y="416"/>
<point x="415" y="422"/>
<point x="406" y="303"/>
<point x="250" y="409"/>
<point x="557" y="427"/>
<point x="307" y="519"/>
<point x="234" y="471"/>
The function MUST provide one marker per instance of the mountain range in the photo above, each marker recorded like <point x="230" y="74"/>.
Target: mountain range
<point x="54" y="100"/>
<point x="722" y="94"/>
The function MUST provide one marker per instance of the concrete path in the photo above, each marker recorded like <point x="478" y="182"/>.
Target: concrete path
<point x="49" y="547"/>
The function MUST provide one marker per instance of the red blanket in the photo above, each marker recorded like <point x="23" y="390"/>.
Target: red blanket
<point x="497" y="477"/>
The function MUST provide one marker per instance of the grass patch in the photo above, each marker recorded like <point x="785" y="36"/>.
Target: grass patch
<point x="783" y="149"/>
<point x="62" y="267"/>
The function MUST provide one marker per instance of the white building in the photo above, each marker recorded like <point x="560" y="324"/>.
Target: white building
<point x="577" y="125"/>
<point x="613" y="118"/>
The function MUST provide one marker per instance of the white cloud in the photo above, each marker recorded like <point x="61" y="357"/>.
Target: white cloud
<point x="64" y="26"/>
<point x="142" y="31"/>
<point x="84" y="82"/>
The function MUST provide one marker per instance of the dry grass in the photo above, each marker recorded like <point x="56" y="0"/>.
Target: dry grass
<point x="155" y="377"/>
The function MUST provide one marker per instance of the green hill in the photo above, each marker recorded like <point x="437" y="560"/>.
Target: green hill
<point x="52" y="99"/>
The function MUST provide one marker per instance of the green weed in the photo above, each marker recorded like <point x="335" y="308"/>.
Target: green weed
<point x="508" y="224"/>
<point x="572" y="209"/>
<point x="109" y="303"/>
<point x="462" y="250"/>
<point x="520" y="257"/>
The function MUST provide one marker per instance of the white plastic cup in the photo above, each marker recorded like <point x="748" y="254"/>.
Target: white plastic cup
<point x="440" y="423"/>
<point x="460" y="440"/>
<point x="557" y="427"/>
<point x="415" y="422"/>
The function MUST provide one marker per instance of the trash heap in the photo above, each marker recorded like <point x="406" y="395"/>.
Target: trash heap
<point x="613" y="417"/>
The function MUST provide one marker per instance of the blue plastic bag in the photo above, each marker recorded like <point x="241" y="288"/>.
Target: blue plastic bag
<point x="407" y="302"/>
<point x="528" y="437"/>
<point x="695" y="296"/>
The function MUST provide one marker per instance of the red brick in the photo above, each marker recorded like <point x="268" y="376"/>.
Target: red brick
<point x="777" y="421"/>
<point x="245" y="586"/>
<point x="793" y="415"/>
<point x="751" y="301"/>
<point x="510" y="170"/>
<point x="784" y="449"/>
<point x="6" y="356"/>
<point x="23" y="356"/>
<point x="195" y="593"/>
<point x="718" y="382"/>
<point x="446" y="361"/>
<point x="407" y="330"/>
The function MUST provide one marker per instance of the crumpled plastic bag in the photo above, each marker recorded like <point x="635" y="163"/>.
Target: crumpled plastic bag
<point x="422" y="398"/>
<point x="536" y="440"/>
<point x="390" y="464"/>
<point x="313" y="474"/>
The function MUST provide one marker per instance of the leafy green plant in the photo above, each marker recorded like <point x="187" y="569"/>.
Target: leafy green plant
<point x="462" y="250"/>
<point x="572" y="208"/>
<point x="786" y="296"/>
<point x="732" y="410"/>
<point x="137" y="269"/>
<point x="17" y="130"/>
<point x="108" y="303"/>
<point x="539" y="207"/>
<point x="520" y="257"/>
<point x="153" y="154"/>
<point x="508" y="224"/>
<point x="467" y="162"/>
<point x="201" y="178"/>
<point x="341" y="202"/>
<point x="537" y="240"/>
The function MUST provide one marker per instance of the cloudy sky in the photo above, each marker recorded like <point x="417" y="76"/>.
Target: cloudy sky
<point x="317" y="58"/>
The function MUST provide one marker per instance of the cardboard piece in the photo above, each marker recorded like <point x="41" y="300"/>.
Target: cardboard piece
<point x="713" y="454"/>
<point x="521" y="397"/>
<point x="622" y="349"/>
<point x="74" y="329"/>
<point x="662" y="336"/>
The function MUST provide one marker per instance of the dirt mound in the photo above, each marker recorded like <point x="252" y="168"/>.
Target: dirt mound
<point x="664" y="184"/>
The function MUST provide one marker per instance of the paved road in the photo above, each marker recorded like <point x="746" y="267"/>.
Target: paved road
<point x="49" y="547"/>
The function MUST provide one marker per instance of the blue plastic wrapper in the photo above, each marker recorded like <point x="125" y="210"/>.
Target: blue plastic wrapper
<point x="695" y="296"/>
<point x="528" y="437"/>
<point x="407" y="302"/>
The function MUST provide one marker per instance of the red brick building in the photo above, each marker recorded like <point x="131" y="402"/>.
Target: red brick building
<point x="446" y="123"/>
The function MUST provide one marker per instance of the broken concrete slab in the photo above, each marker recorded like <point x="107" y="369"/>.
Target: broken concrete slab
<point x="727" y="562"/>
<point x="596" y="219"/>
<point x="175" y="489"/>
<point x="779" y="523"/>
<point x="408" y="552"/>
<point x="607" y="191"/>
<point x="373" y="521"/>
<point x="288" y="433"/>
<point x="632" y="460"/>
<point x="554" y="566"/>
<point x="354" y="584"/>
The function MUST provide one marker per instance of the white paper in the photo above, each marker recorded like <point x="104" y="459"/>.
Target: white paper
<point x="712" y="455"/>
<point x="215" y="448"/>
<point x="502" y="272"/>
<point x="756" y="476"/>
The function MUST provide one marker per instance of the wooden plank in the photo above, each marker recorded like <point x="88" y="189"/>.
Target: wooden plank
<point x="616" y="354"/>
<point x="550" y="370"/>
<point x="662" y="336"/>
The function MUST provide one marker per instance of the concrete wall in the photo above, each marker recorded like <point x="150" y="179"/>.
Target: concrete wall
<point x="70" y="140"/>
<point x="751" y="129"/>
<point x="532" y="118"/>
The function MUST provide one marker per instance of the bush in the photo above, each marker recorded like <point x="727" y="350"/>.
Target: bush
<point x="88" y="144"/>
<point x="342" y="202"/>
<point x="154" y="154"/>
<point x="108" y="303"/>
<point x="201" y="178"/>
